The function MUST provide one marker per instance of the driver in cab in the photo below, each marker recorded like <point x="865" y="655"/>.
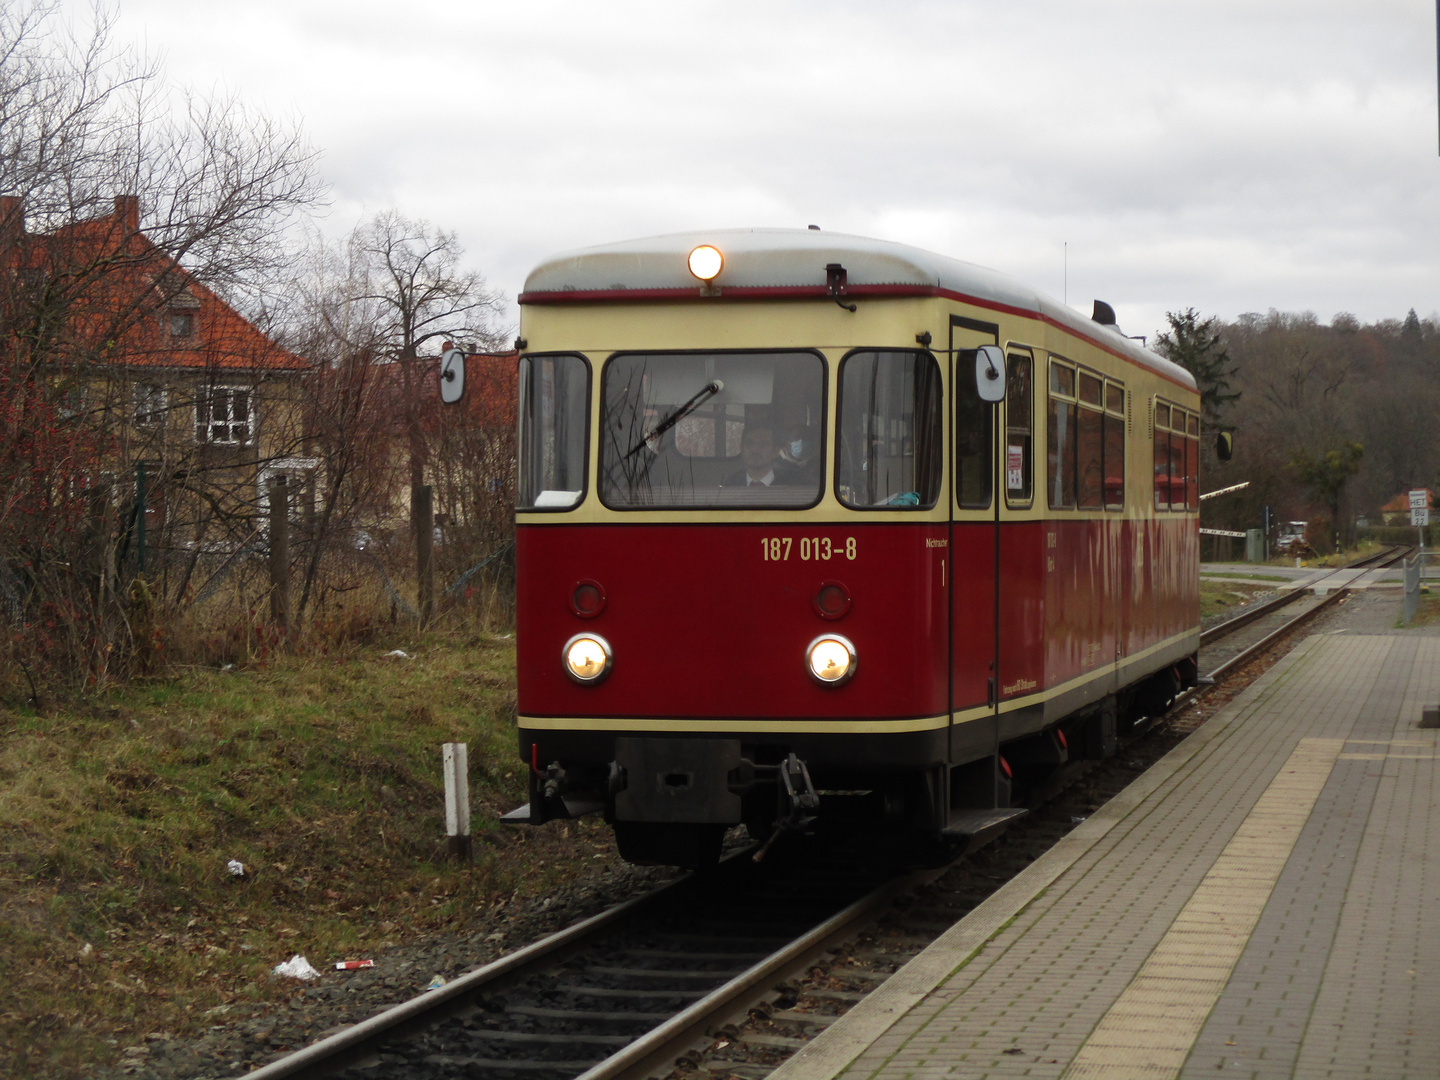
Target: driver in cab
<point x="761" y="460"/>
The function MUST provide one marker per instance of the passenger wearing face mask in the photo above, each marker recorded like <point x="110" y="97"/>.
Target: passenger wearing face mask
<point x="798" y="453"/>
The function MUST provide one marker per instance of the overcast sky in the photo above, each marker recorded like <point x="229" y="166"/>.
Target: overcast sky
<point x="1230" y="155"/>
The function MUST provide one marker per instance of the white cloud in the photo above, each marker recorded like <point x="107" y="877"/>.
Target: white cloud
<point x="1223" y="155"/>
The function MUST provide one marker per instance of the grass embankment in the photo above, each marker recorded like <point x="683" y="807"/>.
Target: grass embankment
<point x="118" y="815"/>
<point x="1220" y="596"/>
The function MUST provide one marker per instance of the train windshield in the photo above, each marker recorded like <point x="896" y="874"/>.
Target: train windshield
<point x="889" y="448"/>
<point x="687" y="430"/>
<point x="554" y="410"/>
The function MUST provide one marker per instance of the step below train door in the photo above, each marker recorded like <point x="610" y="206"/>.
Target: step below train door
<point x="975" y="779"/>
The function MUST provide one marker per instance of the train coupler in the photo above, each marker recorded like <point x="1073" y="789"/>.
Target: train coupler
<point x="797" y="802"/>
<point x="551" y="799"/>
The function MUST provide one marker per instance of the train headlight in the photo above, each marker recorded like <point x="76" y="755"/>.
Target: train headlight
<point x="587" y="658"/>
<point x="831" y="659"/>
<point x="706" y="262"/>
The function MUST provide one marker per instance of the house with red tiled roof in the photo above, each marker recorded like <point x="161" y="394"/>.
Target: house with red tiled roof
<point x="177" y="385"/>
<point x="1397" y="510"/>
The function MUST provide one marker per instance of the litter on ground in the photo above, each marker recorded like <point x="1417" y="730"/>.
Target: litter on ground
<point x="297" y="967"/>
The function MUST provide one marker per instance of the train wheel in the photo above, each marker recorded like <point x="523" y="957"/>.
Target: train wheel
<point x="657" y="843"/>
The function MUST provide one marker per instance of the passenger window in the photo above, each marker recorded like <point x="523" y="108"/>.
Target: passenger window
<point x="1090" y="458"/>
<point x="890" y="450"/>
<point x="1192" y="471"/>
<point x="1061" y="437"/>
<point x="1019" y="435"/>
<point x="1177" y="458"/>
<point x="973" y="439"/>
<point x="1114" y="446"/>
<point x="1162" y="457"/>
<point x="553" y="431"/>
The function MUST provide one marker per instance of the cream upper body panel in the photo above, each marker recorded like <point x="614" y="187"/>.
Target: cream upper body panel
<point x="769" y="261"/>
<point x="639" y="296"/>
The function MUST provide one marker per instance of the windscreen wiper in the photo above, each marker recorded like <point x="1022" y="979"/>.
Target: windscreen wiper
<point x="708" y="391"/>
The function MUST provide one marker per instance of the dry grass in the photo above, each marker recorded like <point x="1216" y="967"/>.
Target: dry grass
<point x="1426" y="611"/>
<point x="321" y="774"/>
<point x="1219" y="596"/>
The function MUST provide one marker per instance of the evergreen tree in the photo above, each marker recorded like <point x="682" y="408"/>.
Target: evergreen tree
<point x="1327" y="473"/>
<point x="1198" y="346"/>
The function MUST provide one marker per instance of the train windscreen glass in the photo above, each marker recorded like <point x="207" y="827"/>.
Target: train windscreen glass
<point x="688" y="430"/>
<point x="554" y="416"/>
<point x="889" y="448"/>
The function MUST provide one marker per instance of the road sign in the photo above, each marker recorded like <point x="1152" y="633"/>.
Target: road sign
<point x="1420" y="516"/>
<point x="1420" y="499"/>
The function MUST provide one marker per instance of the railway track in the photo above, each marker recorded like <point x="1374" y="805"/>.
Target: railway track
<point x="727" y="974"/>
<point x="1232" y="642"/>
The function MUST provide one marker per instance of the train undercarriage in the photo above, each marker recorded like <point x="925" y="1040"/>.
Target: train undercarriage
<point x="671" y="799"/>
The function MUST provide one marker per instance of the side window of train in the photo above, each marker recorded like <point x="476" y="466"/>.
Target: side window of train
<point x="889" y="449"/>
<point x="1090" y="441"/>
<point x="1114" y="445"/>
<point x="1019" y="429"/>
<point x="1085" y="439"/>
<point x="1177" y="457"/>
<point x="1061" y="437"/>
<point x="973" y="441"/>
<point x="553" y="431"/>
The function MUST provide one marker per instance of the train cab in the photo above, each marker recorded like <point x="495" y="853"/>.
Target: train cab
<point x="817" y="527"/>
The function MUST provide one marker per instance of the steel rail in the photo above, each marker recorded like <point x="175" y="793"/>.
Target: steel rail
<point x="345" y="1047"/>
<point x="1229" y="626"/>
<point x="688" y="1027"/>
<point x="1259" y="611"/>
<point x="666" y="1042"/>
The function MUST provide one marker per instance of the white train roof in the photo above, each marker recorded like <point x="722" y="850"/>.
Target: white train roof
<point x="796" y="258"/>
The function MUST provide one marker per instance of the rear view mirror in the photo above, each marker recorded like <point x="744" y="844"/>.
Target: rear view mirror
<point x="990" y="373"/>
<point x="452" y="376"/>
<point x="1225" y="445"/>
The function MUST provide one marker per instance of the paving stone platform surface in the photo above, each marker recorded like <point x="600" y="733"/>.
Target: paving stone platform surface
<point x="1265" y="902"/>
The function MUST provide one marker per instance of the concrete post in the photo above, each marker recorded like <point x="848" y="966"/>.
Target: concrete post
<point x="456" y="764"/>
<point x="422" y="513"/>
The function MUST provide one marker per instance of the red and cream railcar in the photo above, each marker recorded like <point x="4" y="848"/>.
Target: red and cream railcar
<point x="778" y="538"/>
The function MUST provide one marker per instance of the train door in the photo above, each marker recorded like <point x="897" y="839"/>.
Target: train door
<point x="1026" y="553"/>
<point x="974" y="549"/>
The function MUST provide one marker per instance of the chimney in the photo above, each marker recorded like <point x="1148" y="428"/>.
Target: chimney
<point x="12" y="218"/>
<point x="127" y="212"/>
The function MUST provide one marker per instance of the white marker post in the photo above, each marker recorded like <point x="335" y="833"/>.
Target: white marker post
<point x="456" y="765"/>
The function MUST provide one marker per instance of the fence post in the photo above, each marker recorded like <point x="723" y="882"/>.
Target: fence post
<point x="422" y="513"/>
<point x="456" y="764"/>
<point x="1412" y="586"/>
<point x="140" y="508"/>
<point x="280" y="554"/>
<point x="102" y="551"/>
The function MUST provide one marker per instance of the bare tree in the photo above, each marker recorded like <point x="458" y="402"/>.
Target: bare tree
<point x="118" y="197"/>
<point x="421" y="294"/>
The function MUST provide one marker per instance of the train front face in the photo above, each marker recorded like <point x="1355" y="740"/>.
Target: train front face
<point x="731" y="569"/>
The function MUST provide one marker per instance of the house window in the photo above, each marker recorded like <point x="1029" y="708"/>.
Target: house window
<point x="223" y="416"/>
<point x="182" y="323"/>
<point x="150" y="404"/>
<point x="71" y="401"/>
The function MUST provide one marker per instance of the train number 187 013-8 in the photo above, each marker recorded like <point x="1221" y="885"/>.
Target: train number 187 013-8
<point x="809" y="549"/>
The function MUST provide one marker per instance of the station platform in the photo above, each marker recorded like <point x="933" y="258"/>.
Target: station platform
<point x="1263" y="902"/>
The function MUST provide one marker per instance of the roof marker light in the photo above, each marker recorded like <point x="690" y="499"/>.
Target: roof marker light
<point x="706" y="262"/>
